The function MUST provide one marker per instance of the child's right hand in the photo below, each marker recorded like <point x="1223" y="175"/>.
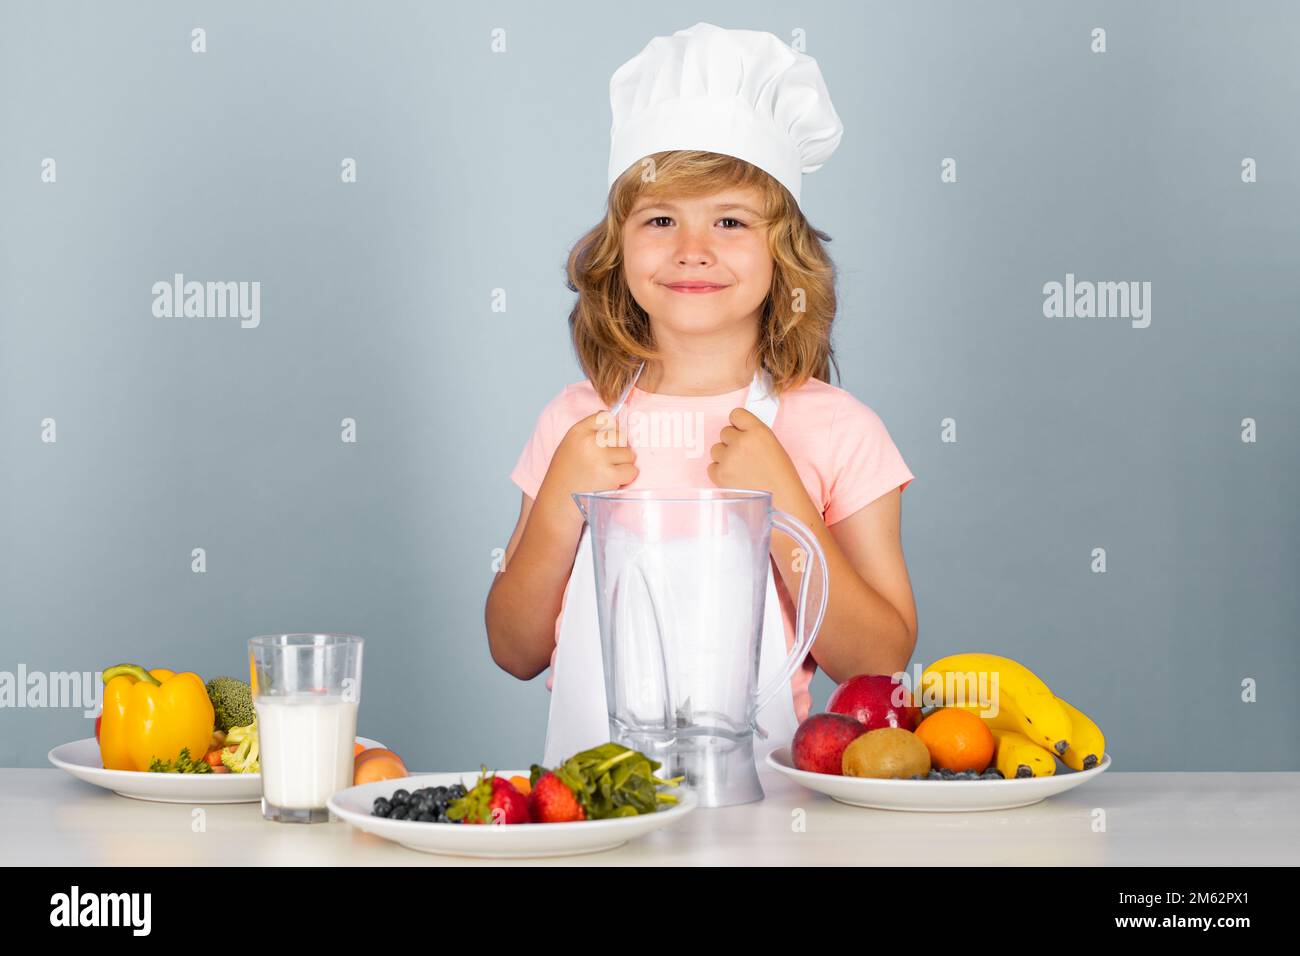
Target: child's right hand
<point x="588" y="458"/>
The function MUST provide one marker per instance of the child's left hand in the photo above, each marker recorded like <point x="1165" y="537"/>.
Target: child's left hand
<point x="749" y="455"/>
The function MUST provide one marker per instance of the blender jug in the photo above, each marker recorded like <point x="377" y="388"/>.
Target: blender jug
<point x="681" y="583"/>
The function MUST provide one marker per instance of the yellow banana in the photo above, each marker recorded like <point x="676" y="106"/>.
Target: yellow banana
<point x="1004" y="719"/>
<point x="1025" y="702"/>
<point x="1087" y="745"/>
<point x="1018" y="756"/>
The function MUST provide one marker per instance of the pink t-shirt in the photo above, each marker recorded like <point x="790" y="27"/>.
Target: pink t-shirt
<point x="839" y="446"/>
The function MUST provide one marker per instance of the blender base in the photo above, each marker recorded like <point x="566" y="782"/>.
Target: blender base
<point x="718" y="767"/>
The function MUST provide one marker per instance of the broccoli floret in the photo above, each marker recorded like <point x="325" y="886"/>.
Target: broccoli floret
<point x="245" y="757"/>
<point x="236" y="735"/>
<point x="232" y="702"/>
<point x="184" y="763"/>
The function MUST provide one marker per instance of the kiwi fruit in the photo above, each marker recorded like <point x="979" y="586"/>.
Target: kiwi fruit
<point x="887" y="752"/>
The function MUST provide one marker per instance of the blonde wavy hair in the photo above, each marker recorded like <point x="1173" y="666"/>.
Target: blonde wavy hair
<point x="612" y="333"/>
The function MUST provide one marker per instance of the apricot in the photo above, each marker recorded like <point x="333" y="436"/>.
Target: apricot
<point x="377" y="763"/>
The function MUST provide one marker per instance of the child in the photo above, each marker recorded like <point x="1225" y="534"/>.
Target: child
<point x="705" y="294"/>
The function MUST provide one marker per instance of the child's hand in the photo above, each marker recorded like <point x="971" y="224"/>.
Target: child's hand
<point x="749" y="455"/>
<point x="588" y="459"/>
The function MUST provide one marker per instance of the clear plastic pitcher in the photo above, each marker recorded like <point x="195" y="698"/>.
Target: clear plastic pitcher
<point x="681" y="583"/>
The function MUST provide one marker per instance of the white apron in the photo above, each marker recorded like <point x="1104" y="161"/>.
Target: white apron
<point x="579" y="716"/>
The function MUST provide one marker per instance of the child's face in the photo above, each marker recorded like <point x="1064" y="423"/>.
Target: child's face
<point x="710" y="239"/>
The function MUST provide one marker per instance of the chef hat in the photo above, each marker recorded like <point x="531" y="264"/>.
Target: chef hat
<point x="743" y="93"/>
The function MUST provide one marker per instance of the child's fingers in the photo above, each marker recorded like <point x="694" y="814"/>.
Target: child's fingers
<point x="599" y="421"/>
<point x="620" y="454"/>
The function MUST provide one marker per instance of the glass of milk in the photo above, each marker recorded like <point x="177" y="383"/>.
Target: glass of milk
<point x="306" y="690"/>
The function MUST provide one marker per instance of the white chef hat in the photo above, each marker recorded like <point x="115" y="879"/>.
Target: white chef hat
<point x="742" y="93"/>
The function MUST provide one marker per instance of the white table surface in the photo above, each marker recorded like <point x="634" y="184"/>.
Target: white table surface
<point x="48" y="818"/>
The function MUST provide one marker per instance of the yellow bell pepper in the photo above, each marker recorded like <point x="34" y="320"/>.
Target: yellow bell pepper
<point x="153" y="714"/>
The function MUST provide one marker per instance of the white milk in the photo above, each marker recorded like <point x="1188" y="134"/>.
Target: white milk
<point x="306" y="748"/>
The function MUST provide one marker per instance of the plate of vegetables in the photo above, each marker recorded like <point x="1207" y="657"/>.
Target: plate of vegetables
<point x="169" y="737"/>
<point x="596" y="800"/>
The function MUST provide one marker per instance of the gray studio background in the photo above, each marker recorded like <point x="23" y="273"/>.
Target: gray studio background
<point x="477" y="171"/>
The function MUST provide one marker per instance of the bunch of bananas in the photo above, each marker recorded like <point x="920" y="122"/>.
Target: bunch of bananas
<point x="1031" y="726"/>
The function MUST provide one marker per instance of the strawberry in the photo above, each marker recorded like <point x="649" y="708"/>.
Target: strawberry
<point x="551" y="801"/>
<point x="493" y="799"/>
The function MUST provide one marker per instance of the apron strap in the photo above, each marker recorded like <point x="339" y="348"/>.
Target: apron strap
<point x="761" y="400"/>
<point x="622" y="399"/>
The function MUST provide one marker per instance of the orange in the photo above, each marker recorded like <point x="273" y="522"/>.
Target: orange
<point x="957" y="740"/>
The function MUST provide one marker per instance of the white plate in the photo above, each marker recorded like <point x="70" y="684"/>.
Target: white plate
<point x="935" y="795"/>
<point x="81" y="759"/>
<point x="497" y="840"/>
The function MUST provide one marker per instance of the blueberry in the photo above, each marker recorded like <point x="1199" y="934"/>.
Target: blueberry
<point x="401" y="797"/>
<point x="427" y="818"/>
<point x="400" y="812"/>
<point x="382" y="807"/>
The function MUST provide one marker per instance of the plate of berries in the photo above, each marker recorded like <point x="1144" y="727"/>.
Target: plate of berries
<point x="596" y="800"/>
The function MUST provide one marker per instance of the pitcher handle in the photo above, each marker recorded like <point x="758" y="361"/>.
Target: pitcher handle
<point x="802" y="645"/>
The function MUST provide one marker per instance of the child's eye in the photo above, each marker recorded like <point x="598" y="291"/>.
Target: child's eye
<point x="669" y="219"/>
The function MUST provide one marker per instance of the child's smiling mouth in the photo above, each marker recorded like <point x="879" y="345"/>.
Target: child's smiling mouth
<point x="695" y="288"/>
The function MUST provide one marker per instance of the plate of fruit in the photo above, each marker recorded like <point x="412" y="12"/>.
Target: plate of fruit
<point x="596" y="800"/>
<point x="169" y="737"/>
<point x="992" y="737"/>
